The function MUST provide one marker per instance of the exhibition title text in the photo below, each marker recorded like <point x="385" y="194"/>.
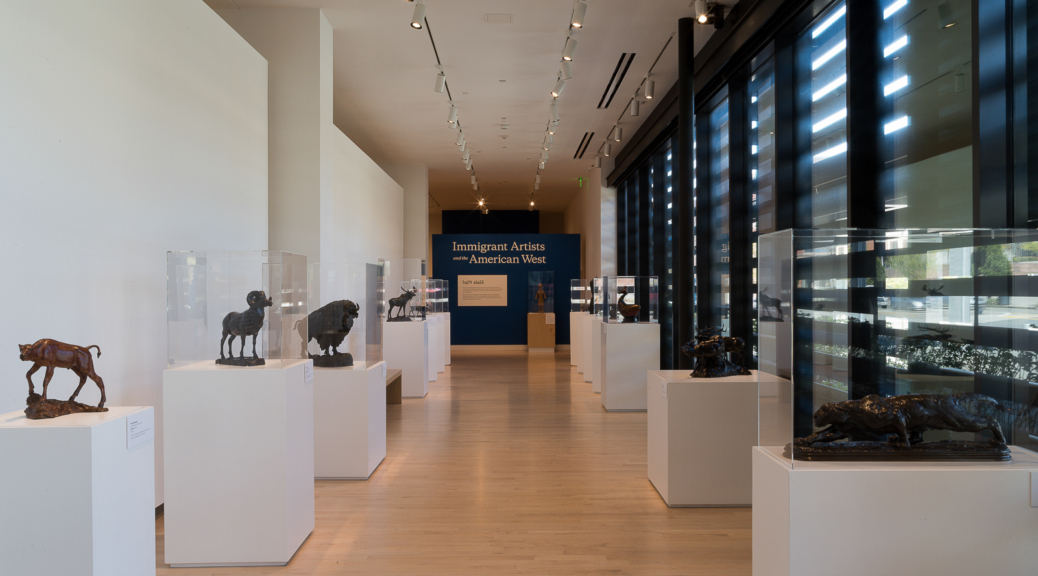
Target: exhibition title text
<point x="525" y="249"/>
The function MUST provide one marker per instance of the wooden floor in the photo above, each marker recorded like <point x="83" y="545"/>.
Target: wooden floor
<point x="510" y="466"/>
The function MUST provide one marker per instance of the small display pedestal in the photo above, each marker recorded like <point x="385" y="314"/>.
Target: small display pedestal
<point x="239" y="453"/>
<point x="587" y="343"/>
<point x="438" y="341"/>
<point x="406" y="346"/>
<point x="701" y="431"/>
<point x="540" y="330"/>
<point x="349" y="421"/>
<point x="868" y="518"/>
<point x="447" y="338"/>
<point x="78" y="493"/>
<point x="597" y="326"/>
<point x="575" y="346"/>
<point x="628" y="352"/>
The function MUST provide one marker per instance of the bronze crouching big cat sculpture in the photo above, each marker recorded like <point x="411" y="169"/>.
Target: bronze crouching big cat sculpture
<point x="53" y="354"/>
<point x="877" y="428"/>
<point x="242" y="324"/>
<point x="711" y="351"/>
<point x="329" y="325"/>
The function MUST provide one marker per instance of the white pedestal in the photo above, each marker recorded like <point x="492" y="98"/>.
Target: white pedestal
<point x="870" y="518"/>
<point x="349" y="420"/>
<point x="596" y="355"/>
<point x="239" y="452"/>
<point x="701" y="431"/>
<point x="447" y="338"/>
<point x="575" y="346"/>
<point x="587" y="340"/>
<point x="628" y="352"/>
<point x="73" y="498"/>
<point x="437" y="342"/>
<point x="406" y="347"/>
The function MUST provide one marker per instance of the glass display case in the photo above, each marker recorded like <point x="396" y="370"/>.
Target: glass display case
<point x="540" y="292"/>
<point x="436" y="296"/>
<point x="406" y="284"/>
<point x="446" y="296"/>
<point x="345" y="313"/>
<point x="230" y="304"/>
<point x="595" y="309"/>
<point x="898" y="344"/>
<point x="579" y="295"/>
<point x="631" y="299"/>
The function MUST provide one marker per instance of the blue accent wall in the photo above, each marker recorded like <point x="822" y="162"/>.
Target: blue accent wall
<point x="506" y="324"/>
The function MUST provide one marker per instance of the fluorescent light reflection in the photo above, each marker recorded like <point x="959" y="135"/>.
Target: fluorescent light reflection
<point x="829" y="22"/>
<point x="889" y="11"/>
<point x="895" y="86"/>
<point x="829" y="88"/>
<point x="832" y="53"/>
<point x="895" y="46"/>
<point x="834" y="151"/>
<point x="895" y="125"/>
<point x="753" y="149"/>
<point x="825" y="123"/>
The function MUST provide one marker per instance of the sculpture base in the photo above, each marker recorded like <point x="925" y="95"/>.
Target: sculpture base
<point x="333" y="361"/>
<point x="770" y="319"/>
<point x="719" y="372"/>
<point x="399" y="319"/>
<point x="240" y="361"/>
<point x="886" y="452"/>
<point x="629" y="320"/>
<point x="39" y="409"/>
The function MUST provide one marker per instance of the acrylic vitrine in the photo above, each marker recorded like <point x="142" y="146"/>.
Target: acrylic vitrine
<point x="631" y="299"/>
<point x="595" y="309"/>
<point x="436" y="296"/>
<point x="851" y="322"/>
<point x="540" y="292"/>
<point x="579" y="295"/>
<point x="261" y="293"/>
<point x="446" y="304"/>
<point x="346" y="310"/>
<point x="406" y="285"/>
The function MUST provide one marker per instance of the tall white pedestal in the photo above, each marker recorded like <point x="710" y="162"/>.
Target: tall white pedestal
<point x="628" y="352"/>
<point x="596" y="355"/>
<point x="437" y="341"/>
<point x="75" y="498"/>
<point x="447" y="338"/>
<point x="870" y="518"/>
<point x="349" y="420"/>
<point x="701" y="431"/>
<point x="239" y="453"/>
<point x="588" y="341"/>
<point x="574" y="339"/>
<point x="405" y="346"/>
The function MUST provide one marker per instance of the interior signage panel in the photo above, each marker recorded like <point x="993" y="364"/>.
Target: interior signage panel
<point x="483" y="290"/>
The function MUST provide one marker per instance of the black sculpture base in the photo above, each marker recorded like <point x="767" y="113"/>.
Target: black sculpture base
<point x="770" y="319"/>
<point x="340" y="360"/>
<point x="39" y="409"/>
<point x="887" y="452"/>
<point x="240" y="361"/>
<point x="629" y="320"/>
<point x="719" y="372"/>
<point x="399" y="319"/>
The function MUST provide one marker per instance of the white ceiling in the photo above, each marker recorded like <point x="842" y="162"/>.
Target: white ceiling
<point x="498" y="74"/>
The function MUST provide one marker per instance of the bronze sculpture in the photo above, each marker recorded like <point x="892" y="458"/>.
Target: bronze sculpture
<point x="400" y="303"/>
<point x="242" y="324"/>
<point x="329" y="325"/>
<point x="877" y="428"/>
<point x="53" y="354"/>
<point x="711" y="350"/>
<point x="629" y="312"/>
<point x="541" y="297"/>
<point x="767" y="302"/>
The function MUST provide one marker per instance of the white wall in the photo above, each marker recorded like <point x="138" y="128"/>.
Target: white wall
<point x="414" y="178"/>
<point x="592" y="215"/>
<point x="127" y="129"/>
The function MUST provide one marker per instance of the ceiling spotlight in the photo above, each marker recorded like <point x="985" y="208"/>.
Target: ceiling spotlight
<point x="476" y="187"/>
<point x="536" y="186"/>
<point x="461" y="139"/>
<point x="537" y="179"/>
<point x="558" y="88"/>
<point x="605" y="151"/>
<point x="473" y="178"/>
<point x="485" y="210"/>
<point x="578" y="15"/>
<point x="571" y="47"/>
<point x="650" y="88"/>
<point x="452" y="117"/>
<point x="702" y="10"/>
<point x="567" y="70"/>
<point x="465" y="156"/>
<point x="551" y="129"/>
<point x="554" y="113"/>
<point x="635" y="104"/>
<point x="542" y="165"/>
<point x="617" y="134"/>
<point x="710" y="13"/>
<point x="441" y="82"/>
<point x="598" y="161"/>
<point x="946" y="19"/>
<point x="550" y="137"/>
<point x="480" y="203"/>
<point x="418" y="19"/>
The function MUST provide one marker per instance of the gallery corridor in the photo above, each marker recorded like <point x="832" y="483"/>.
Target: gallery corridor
<point x="510" y="466"/>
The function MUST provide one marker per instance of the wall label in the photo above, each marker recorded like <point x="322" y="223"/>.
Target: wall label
<point x="140" y="427"/>
<point x="308" y="372"/>
<point x="526" y="250"/>
<point x="490" y="290"/>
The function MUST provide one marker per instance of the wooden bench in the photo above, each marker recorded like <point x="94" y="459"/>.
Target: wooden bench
<point x="394" y="379"/>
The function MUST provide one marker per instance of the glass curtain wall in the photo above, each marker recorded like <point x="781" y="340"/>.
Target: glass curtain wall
<point x="761" y="182"/>
<point x="720" y="208"/>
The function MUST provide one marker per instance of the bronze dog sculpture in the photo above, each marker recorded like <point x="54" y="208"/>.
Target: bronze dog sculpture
<point x="53" y="354"/>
